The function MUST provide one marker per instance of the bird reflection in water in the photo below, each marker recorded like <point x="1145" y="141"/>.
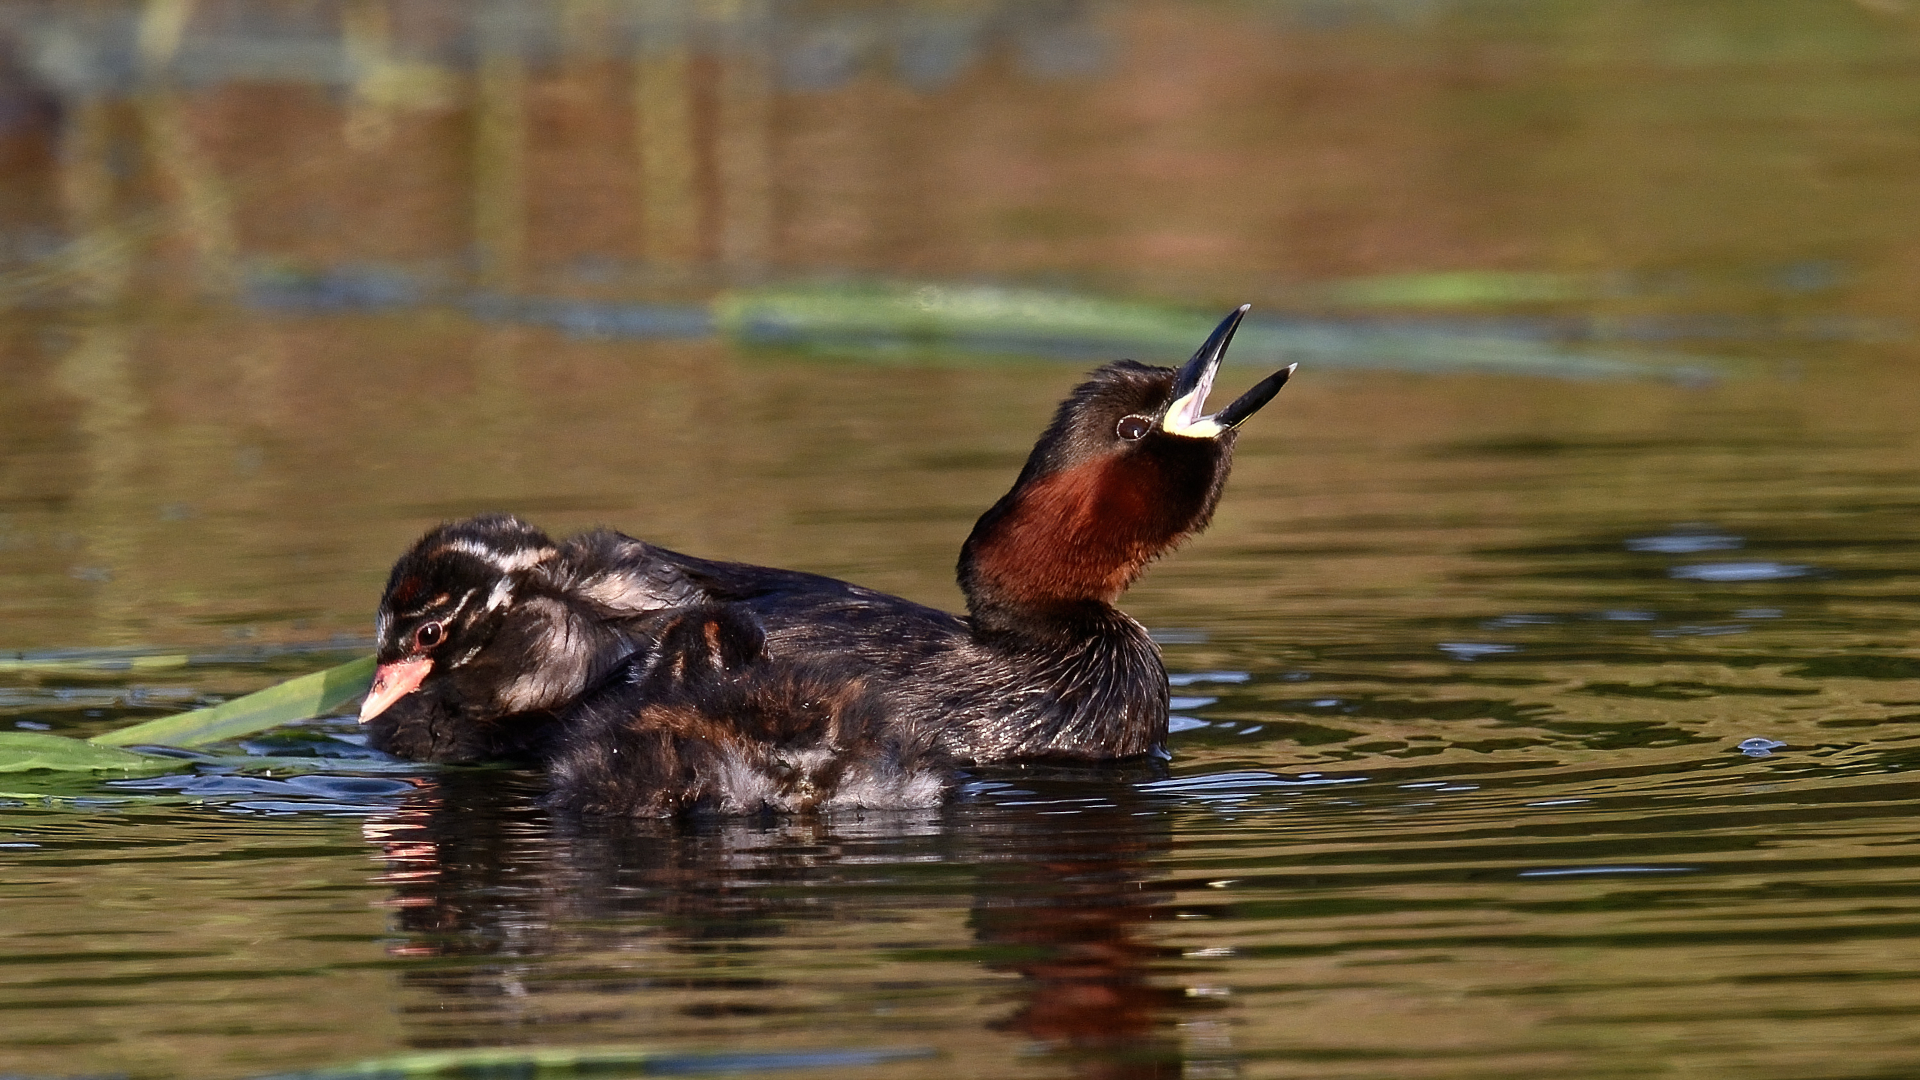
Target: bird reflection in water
<point x="514" y="926"/>
<point x="1072" y="907"/>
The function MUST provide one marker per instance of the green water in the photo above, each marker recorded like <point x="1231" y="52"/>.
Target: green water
<point x="1549" y="678"/>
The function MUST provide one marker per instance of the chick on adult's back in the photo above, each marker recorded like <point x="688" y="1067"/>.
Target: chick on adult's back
<point x="1043" y="666"/>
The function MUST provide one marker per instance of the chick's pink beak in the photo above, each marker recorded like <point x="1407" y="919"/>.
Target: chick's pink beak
<point x="391" y="682"/>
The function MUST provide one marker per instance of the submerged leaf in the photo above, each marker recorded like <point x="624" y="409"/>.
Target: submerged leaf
<point x="95" y="662"/>
<point x="1463" y="288"/>
<point x="897" y="318"/>
<point x="31" y="751"/>
<point x="897" y="321"/>
<point x="296" y="699"/>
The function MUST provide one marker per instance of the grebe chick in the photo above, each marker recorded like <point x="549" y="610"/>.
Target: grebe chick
<point x="1043" y="666"/>
<point x="717" y="726"/>
<point x="488" y="630"/>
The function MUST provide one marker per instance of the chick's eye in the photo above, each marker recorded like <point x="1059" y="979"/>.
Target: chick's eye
<point x="429" y="635"/>
<point x="1133" y="428"/>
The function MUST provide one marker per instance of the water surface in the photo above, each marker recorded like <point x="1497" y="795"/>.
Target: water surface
<point x="1530" y="722"/>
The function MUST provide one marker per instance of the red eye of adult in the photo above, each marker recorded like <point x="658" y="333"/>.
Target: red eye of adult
<point x="428" y="635"/>
<point x="1133" y="428"/>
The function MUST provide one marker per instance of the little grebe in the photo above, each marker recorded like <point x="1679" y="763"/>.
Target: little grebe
<point x="653" y="682"/>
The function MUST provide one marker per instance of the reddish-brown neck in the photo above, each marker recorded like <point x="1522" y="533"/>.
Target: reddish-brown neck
<point x="1077" y="536"/>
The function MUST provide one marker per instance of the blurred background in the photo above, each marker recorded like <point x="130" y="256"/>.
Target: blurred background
<point x="1545" y="688"/>
<point x="287" y="282"/>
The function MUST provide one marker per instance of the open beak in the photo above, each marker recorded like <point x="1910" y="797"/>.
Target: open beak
<point x="391" y="682"/>
<point x="1184" y="417"/>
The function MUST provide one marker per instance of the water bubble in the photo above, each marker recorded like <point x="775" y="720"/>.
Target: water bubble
<point x="1760" y="747"/>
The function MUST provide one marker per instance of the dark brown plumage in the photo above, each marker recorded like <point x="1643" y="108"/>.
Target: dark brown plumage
<point x="716" y="725"/>
<point x="657" y="682"/>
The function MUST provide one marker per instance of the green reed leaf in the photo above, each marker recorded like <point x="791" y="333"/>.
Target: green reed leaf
<point x="34" y="751"/>
<point x="296" y="699"/>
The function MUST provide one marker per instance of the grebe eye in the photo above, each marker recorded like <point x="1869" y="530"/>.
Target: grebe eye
<point x="1133" y="428"/>
<point x="429" y="635"/>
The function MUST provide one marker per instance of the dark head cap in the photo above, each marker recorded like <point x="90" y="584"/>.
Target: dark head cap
<point x="443" y="596"/>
